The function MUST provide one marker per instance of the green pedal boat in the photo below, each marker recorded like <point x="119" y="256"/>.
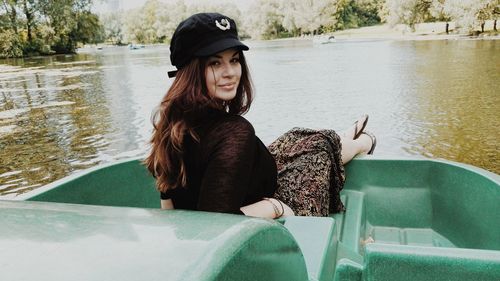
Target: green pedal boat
<point x="406" y="219"/>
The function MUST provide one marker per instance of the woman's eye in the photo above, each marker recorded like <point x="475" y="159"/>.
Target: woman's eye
<point x="235" y="60"/>
<point x="214" y="63"/>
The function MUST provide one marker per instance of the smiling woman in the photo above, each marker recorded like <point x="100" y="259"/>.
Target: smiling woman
<point x="206" y="156"/>
<point x="223" y="73"/>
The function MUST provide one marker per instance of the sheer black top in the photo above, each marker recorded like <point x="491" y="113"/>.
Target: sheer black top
<point x="228" y="168"/>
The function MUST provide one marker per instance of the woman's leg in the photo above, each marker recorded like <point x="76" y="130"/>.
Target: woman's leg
<point x="351" y="148"/>
<point x="310" y="171"/>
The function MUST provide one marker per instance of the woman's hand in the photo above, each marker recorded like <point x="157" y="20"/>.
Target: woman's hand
<point x="167" y="204"/>
<point x="268" y="208"/>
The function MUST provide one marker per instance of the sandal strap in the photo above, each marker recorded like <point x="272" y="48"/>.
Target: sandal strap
<point x="374" y="141"/>
<point x="363" y="126"/>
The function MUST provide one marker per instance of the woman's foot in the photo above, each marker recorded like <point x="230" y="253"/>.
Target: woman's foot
<point x="369" y="140"/>
<point x="357" y="128"/>
<point x="365" y="144"/>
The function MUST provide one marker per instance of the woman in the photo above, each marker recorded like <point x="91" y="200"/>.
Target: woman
<point x="206" y="157"/>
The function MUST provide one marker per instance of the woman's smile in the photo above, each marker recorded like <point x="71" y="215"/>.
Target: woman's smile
<point x="227" y="86"/>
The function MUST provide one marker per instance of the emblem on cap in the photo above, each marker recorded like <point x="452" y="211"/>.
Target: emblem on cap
<point x="224" y="24"/>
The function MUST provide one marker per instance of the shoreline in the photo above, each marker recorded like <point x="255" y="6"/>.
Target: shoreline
<point x="423" y="31"/>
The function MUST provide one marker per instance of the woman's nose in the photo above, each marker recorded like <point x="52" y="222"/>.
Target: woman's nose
<point x="229" y="69"/>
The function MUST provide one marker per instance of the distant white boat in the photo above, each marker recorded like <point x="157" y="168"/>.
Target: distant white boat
<point x="135" y="47"/>
<point x="323" y="39"/>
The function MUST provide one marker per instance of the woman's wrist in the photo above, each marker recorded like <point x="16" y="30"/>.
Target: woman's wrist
<point x="277" y="205"/>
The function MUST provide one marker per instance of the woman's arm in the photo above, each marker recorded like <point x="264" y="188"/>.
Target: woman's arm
<point x="265" y="209"/>
<point x="228" y="151"/>
<point x="260" y="209"/>
<point x="167" y="204"/>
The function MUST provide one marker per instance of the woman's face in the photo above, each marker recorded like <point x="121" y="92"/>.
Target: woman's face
<point x="223" y="73"/>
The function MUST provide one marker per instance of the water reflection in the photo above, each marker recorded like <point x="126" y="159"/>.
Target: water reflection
<point x="456" y="104"/>
<point x="425" y="98"/>
<point x="54" y="112"/>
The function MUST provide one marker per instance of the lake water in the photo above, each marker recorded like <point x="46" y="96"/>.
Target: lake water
<point x="437" y="99"/>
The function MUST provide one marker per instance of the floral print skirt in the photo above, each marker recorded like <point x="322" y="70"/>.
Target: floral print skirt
<point x="310" y="171"/>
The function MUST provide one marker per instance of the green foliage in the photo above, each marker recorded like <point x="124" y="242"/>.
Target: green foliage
<point x="31" y="27"/>
<point x="4" y="21"/>
<point x="358" y="13"/>
<point x="35" y="27"/>
<point x="409" y="12"/>
<point x="113" y="27"/>
<point x="34" y="47"/>
<point x="10" y="44"/>
<point x="88" y="28"/>
<point x="468" y="15"/>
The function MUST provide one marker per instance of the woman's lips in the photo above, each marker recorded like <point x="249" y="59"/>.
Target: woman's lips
<point x="227" y="86"/>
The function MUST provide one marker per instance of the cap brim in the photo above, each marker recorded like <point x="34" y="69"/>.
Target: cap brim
<point x="221" y="45"/>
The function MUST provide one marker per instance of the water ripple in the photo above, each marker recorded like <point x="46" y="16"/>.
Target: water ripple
<point x="436" y="99"/>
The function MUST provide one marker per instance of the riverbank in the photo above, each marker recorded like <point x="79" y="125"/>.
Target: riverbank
<point x="423" y="31"/>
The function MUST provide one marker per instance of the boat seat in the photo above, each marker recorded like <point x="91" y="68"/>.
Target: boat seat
<point x="385" y="262"/>
<point x="352" y="219"/>
<point x="317" y="239"/>
<point x="398" y="262"/>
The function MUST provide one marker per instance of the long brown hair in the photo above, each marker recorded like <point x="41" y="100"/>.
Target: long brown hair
<point x="172" y="121"/>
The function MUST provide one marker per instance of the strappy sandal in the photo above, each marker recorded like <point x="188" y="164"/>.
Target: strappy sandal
<point x="374" y="141"/>
<point x="356" y="132"/>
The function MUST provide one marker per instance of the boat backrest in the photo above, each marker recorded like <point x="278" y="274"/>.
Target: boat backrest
<point x="93" y="243"/>
<point x="126" y="183"/>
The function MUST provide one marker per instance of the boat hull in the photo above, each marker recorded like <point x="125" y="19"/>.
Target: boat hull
<point x="405" y="219"/>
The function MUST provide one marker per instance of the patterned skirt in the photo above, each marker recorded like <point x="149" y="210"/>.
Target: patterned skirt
<point x="310" y="171"/>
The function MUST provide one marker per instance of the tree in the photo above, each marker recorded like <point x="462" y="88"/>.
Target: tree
<point x="496" y="14"/>
<point x="10" y="8"/>
<point x="439" y="13"/>
<point x="176" y="13"/>
<point x="141" y="23"/>
<point x="358" y="13"/>
<point x="469" y="14"/>
<point x="312" y="15"/>
<point x="409" y="12"/>
<point x="67" y="18"/>
<point x="29" y="12"/>
<point x="4" y="21"/>
<point x="10" y="46"/>
<point x="223" y="7"/>
<point x="47" y="26"/>
<point x="88" y="29"/>
<point x="168" y="16"/>
<point x="264" y="19"/>
<point x="112" y="23"/>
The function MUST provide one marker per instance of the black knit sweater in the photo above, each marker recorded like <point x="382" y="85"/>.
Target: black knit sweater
<point x="228" y="168"/>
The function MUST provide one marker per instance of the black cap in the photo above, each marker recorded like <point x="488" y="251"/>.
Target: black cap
<point x="202" y="35"/>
